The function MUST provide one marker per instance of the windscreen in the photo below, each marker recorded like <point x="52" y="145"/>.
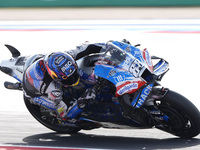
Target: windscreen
<point x="114" y="55"/>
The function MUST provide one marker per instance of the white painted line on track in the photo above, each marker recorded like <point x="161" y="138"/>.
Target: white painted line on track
<point x="190" y="25"/>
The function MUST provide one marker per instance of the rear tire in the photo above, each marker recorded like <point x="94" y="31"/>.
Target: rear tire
<point x="184" y="116"/>
<point x="55" y="126"/>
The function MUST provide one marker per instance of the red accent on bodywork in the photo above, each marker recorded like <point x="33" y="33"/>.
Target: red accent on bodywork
<point x="145" y="58"/>
<point x="30" y="79"/>
<point x="140" y="84"/>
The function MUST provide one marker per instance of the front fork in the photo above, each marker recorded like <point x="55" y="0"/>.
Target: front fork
<point x="157" y="93"/>
<point x="143" y="107"/>
<point x="152" y="103"/>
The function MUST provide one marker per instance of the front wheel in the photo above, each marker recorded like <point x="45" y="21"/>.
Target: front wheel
<point x="41" y="115"/>
<point x="183" y="118"/>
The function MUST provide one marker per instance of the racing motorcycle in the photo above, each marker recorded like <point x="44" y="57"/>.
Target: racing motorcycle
<point x="130" y="94"/>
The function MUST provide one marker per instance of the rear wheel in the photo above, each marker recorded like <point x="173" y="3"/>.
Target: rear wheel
<point x="182" y="117"/>
<point x="40" y="114"/>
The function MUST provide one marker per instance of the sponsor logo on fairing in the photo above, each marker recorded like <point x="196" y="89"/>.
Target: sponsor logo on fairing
<point x="112" y="72"/>
<point x="119" y="78"/>
<point x="145" y="92"/>
<point x="127" y="88"/>
<point x="128" y="48"/>
<point x="127" y="62"/>
<point x="148" y="59"/>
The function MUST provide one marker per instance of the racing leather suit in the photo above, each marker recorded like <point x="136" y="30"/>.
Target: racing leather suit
<point x="41" y="89"/>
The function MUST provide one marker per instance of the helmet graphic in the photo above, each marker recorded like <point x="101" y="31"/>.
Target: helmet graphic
<point x="62" y="67"/>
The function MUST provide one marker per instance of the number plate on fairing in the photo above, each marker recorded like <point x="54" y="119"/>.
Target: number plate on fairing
<point x="136" y="68"/>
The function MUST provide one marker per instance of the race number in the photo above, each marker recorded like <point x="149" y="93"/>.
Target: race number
<point x="135" y="68"/>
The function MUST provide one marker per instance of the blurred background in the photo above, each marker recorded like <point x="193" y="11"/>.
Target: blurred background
<point x="98" y="9"/>
<point x="92" y="3"/>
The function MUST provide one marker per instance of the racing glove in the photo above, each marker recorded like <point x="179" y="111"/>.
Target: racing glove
<point x="89" y="95"/>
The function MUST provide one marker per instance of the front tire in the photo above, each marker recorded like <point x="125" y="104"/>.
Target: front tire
<point x="51" y="123"/>
<point x="184" y="117"/>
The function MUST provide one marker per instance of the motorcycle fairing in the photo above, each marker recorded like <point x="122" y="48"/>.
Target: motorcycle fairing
<point x="142" y="96"/>
<point x="14" y="71"/>
<point x="148" y="60"/>
<point x="137" y="53"/>
<point x="16" y="65"/>
<point x="124" y="81"/>
<point x="128" y="71"/>
<point x="108" y="115"/>
<point x="142" y="56"/>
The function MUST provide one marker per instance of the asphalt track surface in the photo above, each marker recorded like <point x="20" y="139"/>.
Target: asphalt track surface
<point x="18" y="128"/>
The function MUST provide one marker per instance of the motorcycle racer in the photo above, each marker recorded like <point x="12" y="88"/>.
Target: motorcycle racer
<point x="126" y="77"/>
<point x="44" y="80"/>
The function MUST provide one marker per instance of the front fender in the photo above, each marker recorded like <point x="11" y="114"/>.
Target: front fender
<point x="157" y="93"/>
